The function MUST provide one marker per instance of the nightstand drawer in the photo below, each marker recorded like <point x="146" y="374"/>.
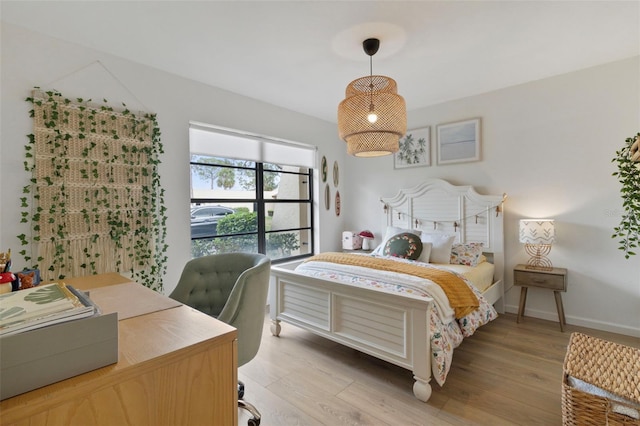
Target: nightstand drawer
<point x="537" y="279"/>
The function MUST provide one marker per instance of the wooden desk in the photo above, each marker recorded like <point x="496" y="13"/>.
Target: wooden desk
<point x="176" y="366"/>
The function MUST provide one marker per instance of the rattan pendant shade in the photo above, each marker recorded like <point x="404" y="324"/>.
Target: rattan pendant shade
<point x="364" y="95"/>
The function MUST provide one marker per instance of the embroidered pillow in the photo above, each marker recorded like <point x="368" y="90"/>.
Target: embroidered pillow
<point x="405" y="245"/>
<point x="466" y="254"/>
<point x="441" y="246"/>
<point x="390" y="232"/>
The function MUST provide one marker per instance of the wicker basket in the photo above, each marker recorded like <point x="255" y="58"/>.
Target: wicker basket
<point x="609" y="366"/>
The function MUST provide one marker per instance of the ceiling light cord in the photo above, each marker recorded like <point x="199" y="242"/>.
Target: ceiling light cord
<point x="370" y="47"/>
<point x="372" y="117"/>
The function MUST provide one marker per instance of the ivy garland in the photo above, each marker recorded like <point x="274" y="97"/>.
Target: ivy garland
<point x="94" y="202"/>
<point x="629" y="176"/>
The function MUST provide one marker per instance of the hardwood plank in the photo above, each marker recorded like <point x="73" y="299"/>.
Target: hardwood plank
<point x="505" y="374"/>
<point x="314" y="393"/>
<point x="403" y="409"/>
<point x="504" y="398"/>
<point x="275" y="410"/>
<point x="460" y="413"/>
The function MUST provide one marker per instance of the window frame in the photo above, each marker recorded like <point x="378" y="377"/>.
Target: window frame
<point x="260" y="202"/>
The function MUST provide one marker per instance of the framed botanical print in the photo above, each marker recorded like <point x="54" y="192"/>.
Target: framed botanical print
<point x="459" y="142"/>
<point x="415" y="149"/>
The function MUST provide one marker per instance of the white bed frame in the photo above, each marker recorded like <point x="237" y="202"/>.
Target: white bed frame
<point x="389" y="326"/>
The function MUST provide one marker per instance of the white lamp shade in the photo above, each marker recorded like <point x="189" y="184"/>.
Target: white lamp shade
<point x="537" y="231"/>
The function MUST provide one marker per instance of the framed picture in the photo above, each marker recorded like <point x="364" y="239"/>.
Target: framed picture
<point x="459" y="142"/>
<point x="415" y="149"/>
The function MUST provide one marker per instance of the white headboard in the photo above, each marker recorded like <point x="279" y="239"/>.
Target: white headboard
<point x="438" y="206"/>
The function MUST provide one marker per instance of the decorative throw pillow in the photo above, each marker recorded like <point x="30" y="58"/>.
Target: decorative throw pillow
<point x="405" y="245"/>
<point x="426" y="253"/>
<point x="391" y="231"/>
<point x="466" y="254"/>
<point x="440" y="246"/>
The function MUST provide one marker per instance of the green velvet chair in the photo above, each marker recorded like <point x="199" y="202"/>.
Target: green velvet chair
<point x="231" y="287"/>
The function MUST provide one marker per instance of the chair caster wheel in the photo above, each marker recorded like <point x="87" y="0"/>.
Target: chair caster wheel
<point x="253" y="422"/>
<point x="240" y="390"/>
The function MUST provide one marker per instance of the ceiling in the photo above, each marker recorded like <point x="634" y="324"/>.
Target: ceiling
<point x="301" y="55"/>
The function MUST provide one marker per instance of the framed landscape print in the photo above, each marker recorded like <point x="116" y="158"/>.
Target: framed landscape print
<point x="415" y="149"/>
<point x="459" y="142"/>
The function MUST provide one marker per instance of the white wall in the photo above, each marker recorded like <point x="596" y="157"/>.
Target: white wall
<point x="30" y="59"/>
<point x="548" y="144"/>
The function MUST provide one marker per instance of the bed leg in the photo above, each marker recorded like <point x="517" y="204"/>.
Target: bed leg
<point x="275" y="327"/>
<point x="422" y="389"/>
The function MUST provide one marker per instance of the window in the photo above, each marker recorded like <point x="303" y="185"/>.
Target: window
<point x="248" y="204"/>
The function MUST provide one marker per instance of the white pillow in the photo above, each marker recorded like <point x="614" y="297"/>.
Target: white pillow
<point x="391" y="231"/>
<point x="440" y="246"/>
<point x="426" y="252"/>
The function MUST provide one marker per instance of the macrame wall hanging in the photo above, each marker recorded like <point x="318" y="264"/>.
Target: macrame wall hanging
<point x="94" y="202"/>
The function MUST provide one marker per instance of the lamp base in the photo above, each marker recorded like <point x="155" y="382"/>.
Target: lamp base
<point x="538" y="259"/>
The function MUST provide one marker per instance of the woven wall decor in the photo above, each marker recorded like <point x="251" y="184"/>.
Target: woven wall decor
<point x="96" y="204"/>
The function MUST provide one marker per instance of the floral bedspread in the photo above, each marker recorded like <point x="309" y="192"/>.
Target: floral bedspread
<point x="446" y="332"/>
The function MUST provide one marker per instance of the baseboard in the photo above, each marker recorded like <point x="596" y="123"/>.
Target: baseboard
<point x="582" y="322"/>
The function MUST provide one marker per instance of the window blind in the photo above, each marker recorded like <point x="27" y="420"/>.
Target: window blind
<point x="205" y="139"/>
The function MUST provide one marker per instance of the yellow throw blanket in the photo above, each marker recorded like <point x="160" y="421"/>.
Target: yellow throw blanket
<point x="461" y="297"/>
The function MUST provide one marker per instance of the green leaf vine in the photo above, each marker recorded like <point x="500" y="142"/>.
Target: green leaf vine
<point x="94" y="202"/>
<point x="628" y="174"/>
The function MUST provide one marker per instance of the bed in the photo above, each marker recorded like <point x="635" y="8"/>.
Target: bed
<point x="401" y="323"/>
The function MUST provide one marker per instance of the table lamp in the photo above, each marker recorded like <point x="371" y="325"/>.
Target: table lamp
<point x="537" y="236"/>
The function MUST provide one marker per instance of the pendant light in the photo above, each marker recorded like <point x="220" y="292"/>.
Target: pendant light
<point x="373" y="117"/>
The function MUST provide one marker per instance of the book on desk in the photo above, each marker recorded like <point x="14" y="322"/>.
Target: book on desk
<point x="42" y="306"/>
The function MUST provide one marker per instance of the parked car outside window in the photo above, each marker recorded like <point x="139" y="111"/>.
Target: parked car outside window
<point x="204" y="220"/>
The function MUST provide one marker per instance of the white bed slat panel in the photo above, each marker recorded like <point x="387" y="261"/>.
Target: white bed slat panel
<point x="360" y="325"/>
<point x="360" y="315"/>
<point x="306" y="304"/>
<point x="369" y="324"/>
<point x="475" y="227"/>
<point x="384" y="316"/>
<point x="436" y="207"/>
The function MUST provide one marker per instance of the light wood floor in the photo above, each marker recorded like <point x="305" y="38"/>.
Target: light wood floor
<point x="506" y="374"/>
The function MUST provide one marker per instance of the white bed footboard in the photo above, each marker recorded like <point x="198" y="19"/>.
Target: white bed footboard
<point x="387" y="326"/>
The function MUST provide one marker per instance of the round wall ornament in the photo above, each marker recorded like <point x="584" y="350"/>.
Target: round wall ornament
<point x="323" y="168"/>
<point x="327" y="197"/>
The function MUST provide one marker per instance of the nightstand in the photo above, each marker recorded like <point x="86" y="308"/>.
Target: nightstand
<point x="554" y="279"/>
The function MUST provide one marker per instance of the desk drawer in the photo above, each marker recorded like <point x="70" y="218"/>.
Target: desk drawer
<point x="537" y="279"/>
